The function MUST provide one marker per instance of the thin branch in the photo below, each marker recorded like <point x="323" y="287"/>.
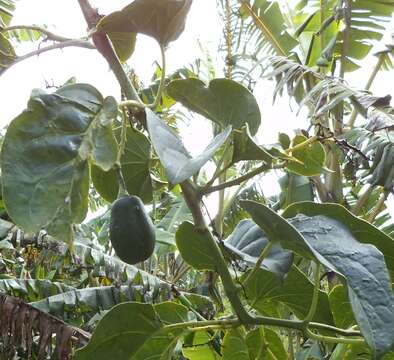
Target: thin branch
<point x="237" y="181"/>
<point x="315" y="298"/>
<point x="106" y="49"/>
<point x="162" y="79"/>
<point x="379" y="207"/>
<point x="259" y="261"/>
<point x="50" y="35"/>
<point x="71" y="43"/>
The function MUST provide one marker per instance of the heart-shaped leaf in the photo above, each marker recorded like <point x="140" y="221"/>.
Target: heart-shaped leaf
<point x="266" y="292"/>
<point x="234" y="345"/>
<point x="248" y="241"/>
<point x="224" y="101"/>
<point x="135" y="163"/>
<point x="45" y="172"/>
<point x="135" y="330"/>
<point x="362" y="230"/>
<point x="164" y="20"/>
<point x="311" y="156"/>
<point x="245" y="147"/>
<point x="260" y="339"/>
<point x="124" y="44"/>
<point x="195" y="247"/>
<point x="177" y="162"/>
<point x="362" y="266"/>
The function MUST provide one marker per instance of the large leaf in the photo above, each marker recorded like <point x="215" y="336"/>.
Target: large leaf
<point x="44" y="159"/>
<point x="295" y="188"/>
<point x="266" y="292"/>
<point x="312" y="158"/>
<point x="361" y="265"/>
<point x="164" y="20"/>
<point x="224" y="101"/>
<point x="196" y="247"/>
<point x="124" y="44"/>
<point x="248" y="241"/>
<point x="135" y="166"/>
<point x="135" y="331"/>
<point x="177" y="162"/>
<point x="265" y="344"/>
<point x="234" y="345"/>
<point x="363" y="231"/>
<point x="245" y="147"/>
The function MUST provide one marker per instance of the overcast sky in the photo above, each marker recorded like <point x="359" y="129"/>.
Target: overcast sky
<point x="64" y="18"/>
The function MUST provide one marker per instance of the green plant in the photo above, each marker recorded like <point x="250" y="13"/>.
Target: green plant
<point x="304" y="275"/>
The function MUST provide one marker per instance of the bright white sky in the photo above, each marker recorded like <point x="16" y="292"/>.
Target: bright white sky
<point x="64" y="18"/>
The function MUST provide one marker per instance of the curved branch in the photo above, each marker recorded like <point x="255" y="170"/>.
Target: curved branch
<point x="50" y="35"/>
<point x="61" y="45"/>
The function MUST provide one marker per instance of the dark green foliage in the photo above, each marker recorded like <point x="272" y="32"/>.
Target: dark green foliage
<point x="132" y="232"/>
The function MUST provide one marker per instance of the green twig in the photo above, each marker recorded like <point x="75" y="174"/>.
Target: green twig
<point x="259" y="261"/>
<point x="162" y="78"/>
<point x="334" y="340"/>
<point x="315" y="298"/>
<point x="238" y="181"/>
<point x="50" y="35"/>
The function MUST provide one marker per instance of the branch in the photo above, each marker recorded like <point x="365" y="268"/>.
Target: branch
<point x="50" y="35"/>
<point x="106" y="49"/>
<point x="61" y="45"/>
<point x="238" y="181"/>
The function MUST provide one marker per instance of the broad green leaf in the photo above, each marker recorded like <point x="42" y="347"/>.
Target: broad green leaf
<point x="124" y="44"/>
<point x="163" y="20"/>
<point x="196" y="247"/>
<point x="177" y="162"/>
<point x="224" y="101"/>
<point x="135" y="163"/>
<point x="295" y="188"/>
<point x="44" y="159"/>
<point x="276" y="227"/>
<point x="198" y="346"/>
<point x="364" y="269"/>
<point x="266" y="292"/>
<point x="245" y="147"/>
<point x="311" y="350"/>
<point x="171" y="313"/>
<point x="121" y="332"/>
<point x="312" y="156"/>
<point x="160" y="346"/>
<point x="363" y="231"/>
<point x="265" y="344"/>
<point x="332" y="243"/>
<point x="340" y="307"/>
<point x="234" y="346"/>
<point x="248" y="241"/>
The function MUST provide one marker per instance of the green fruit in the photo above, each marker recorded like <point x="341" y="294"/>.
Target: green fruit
<point x="132" y="232"/>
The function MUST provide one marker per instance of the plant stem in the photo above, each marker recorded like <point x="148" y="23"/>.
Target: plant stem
<point x="315" y="298"/>
<point x="379" y="207"/>
<point x="362" y="200"/>
<point x="302" y="145"/>
<point x="132" y="104"/>
<point x="61" y="45"/>
<point x="371" y="79"/>
<point x="106" y="49"/>
<point x="237" y="181"/>
<point x="333" y="329"/>
<point x="50" y="35"/>
<point x="259" y="261"/>
<point x="162" y="79"/>
<point x="334" y="340"/>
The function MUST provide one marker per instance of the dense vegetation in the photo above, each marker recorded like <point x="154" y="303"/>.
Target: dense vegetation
<point x="305" y="274"/>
